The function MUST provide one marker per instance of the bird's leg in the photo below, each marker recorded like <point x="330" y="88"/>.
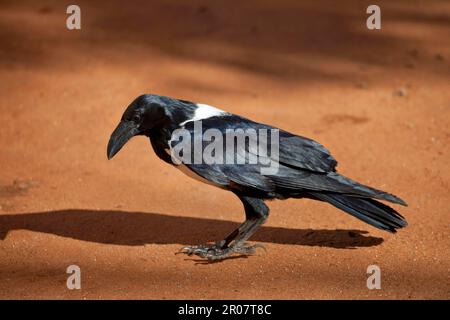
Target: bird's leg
<point x="256" y="213"/>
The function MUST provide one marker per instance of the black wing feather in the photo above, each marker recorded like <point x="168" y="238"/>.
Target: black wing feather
<point x="295" y="151"/>
<point x="304" y="165"/>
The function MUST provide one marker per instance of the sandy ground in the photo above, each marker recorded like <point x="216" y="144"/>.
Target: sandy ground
<point x="379" y="100"/>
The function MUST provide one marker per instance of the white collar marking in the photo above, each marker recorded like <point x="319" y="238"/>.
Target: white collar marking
<point x="204" y="111"/>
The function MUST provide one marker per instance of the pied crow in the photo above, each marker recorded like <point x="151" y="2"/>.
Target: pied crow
<point x="304" y="168"/>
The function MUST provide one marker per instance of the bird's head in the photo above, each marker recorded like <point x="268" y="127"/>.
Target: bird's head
<point x="144" y="114"/>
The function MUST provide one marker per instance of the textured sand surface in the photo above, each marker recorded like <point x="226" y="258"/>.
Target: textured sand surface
<point x="379" y="100"/>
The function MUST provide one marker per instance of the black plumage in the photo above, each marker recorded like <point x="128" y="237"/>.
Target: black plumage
<point x="305" y="169"/>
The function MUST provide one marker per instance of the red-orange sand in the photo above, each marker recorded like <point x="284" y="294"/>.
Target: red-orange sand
<point x="379" y="100"/>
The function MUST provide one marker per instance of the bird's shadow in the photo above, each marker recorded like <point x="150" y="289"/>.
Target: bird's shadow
<point x="139" y="228"/>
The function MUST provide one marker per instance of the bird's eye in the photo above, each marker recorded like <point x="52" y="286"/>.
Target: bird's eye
<point x="136" y="118"/>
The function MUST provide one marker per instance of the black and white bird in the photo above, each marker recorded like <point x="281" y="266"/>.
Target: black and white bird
<point x="305" y="169"/>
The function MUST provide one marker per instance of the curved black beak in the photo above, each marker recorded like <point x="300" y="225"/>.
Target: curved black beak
<point x="124" y="132"/>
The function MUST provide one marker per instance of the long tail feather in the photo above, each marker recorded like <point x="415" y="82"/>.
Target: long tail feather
<point x="368" y="210"/>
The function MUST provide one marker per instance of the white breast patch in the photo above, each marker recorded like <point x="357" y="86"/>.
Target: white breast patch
<point x="182" y="167"/>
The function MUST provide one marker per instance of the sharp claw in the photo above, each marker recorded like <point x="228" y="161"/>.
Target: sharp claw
<point x="215" y="252"/>
<point x="189" y="250"/>
<point x="182" y="250"/>
<point x="258" y="245"/>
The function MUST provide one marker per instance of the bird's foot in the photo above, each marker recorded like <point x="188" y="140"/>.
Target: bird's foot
<point x="216" y="251"/>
